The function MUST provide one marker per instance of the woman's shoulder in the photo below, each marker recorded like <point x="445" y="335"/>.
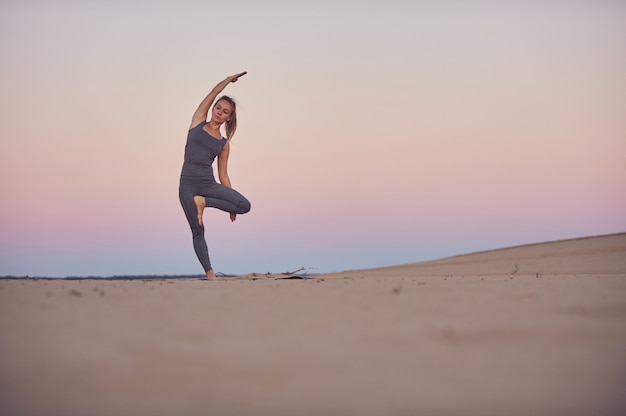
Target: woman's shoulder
<point x="199" y="125"/>
<point x="225" y="144"/>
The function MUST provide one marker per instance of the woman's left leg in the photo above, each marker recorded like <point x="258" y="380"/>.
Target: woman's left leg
<point x="226" y="199"/>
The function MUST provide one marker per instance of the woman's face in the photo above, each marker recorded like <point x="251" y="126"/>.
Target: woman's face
<point x="222" y="110"/>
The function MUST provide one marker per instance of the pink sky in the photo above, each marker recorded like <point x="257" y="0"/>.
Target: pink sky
<point x="368" y="136"/>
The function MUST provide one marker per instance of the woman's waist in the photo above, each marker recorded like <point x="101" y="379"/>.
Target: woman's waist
<point x="196" y="171"/>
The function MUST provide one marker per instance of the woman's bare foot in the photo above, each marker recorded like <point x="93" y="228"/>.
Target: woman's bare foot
<point x="210" y="275"/>
<point x="200" y="206"/>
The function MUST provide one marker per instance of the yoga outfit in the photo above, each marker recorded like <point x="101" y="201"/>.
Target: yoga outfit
<point x="197" y="178"/>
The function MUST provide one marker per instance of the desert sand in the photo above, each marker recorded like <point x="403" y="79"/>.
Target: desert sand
<point x="530" y="330"/>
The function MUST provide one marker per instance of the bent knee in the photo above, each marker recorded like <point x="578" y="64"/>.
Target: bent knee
<point x="244" y="206"/>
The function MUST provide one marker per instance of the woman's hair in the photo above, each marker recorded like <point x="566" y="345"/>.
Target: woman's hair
<point x="231" y="125"/>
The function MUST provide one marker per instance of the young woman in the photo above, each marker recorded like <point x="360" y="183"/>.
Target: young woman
<point x="198" y="188"/>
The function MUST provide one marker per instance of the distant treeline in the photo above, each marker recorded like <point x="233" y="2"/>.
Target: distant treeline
<point x="129" y="277"/>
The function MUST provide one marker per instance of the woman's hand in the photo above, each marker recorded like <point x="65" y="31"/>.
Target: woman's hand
<point x="233" y="217"/>
<point x="234" y="78"/>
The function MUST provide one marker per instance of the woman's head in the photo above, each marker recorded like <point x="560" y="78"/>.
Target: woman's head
<point x="225" y="109"/>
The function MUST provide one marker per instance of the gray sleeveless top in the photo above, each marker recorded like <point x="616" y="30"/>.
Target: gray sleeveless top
<point x="200" y="152"/>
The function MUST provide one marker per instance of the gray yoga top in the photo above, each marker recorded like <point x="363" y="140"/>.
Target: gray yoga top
<point x="200" y="152"/>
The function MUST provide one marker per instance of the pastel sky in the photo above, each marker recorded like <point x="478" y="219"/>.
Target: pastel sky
<point x="370" y="133"/>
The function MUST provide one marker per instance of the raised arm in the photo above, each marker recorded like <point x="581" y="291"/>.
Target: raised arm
<point x="203" y="109"/>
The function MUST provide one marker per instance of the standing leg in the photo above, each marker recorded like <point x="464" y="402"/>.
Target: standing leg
<point x="186" y="195"/>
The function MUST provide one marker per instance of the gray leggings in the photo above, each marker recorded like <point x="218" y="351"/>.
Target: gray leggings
<point x="216" y="196"/>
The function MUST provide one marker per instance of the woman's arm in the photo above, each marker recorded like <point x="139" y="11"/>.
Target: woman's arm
<point x="222" y="165"/>
<point x="203" y="109"/>
<point x="222" y="171"/>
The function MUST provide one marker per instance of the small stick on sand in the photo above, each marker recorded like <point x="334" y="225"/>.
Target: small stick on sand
<point x="294" y="272"/>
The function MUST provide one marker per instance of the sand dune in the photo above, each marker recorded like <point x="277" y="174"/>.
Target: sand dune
<point x="537" y="329"/>
<point x="600" y="255"/>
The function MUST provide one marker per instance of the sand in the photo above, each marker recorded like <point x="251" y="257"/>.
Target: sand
<point x="532" y="330"/>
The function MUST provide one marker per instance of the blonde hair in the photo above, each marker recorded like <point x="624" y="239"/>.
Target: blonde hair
<point x="231" y="124"/>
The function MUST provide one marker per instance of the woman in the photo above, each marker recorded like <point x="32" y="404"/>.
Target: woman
<point x="198" y="188"/>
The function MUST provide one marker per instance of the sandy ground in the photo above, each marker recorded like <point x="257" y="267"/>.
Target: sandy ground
<point x="533" y="330"/>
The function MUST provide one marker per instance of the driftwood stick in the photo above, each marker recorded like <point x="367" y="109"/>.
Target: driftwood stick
<point x="294" y="272"/>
